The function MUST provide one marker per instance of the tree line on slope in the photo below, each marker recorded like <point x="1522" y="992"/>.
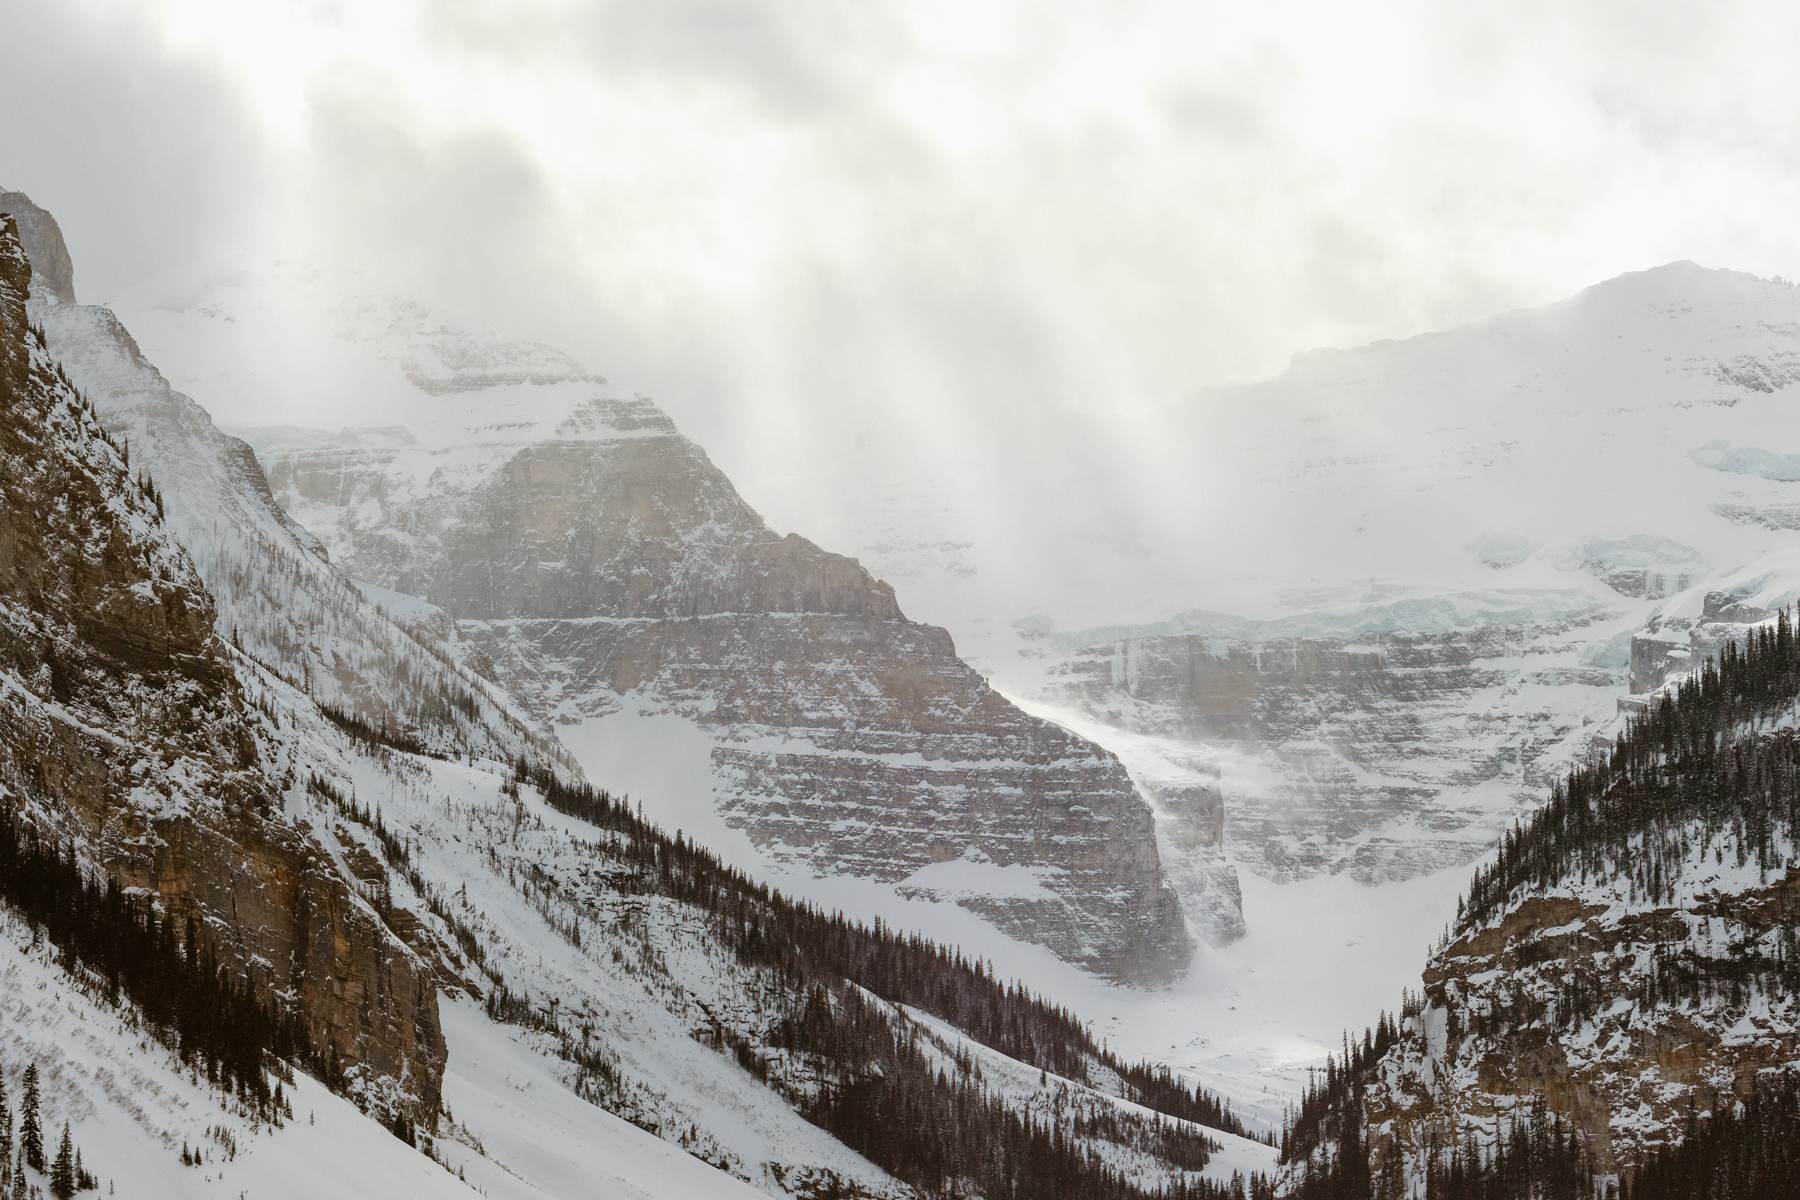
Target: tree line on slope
<point x="123" y="949"/>
<point x="1318" y="1118"/>
<point x="944" y="1132"/>
<point x="804" y="942"/>
<point x="277" y="601"/>
<point x="875" y="1086"/>
<point x="1538" y="1156"/>
<point x="871" y="1062"/>
<point x="1677" y="763"/>
<point x="1746" y="1149"/>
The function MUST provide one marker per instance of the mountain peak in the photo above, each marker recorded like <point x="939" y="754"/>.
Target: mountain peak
<point x="1708" y="311"/>
<point x="44" y="246"/>
<point x="1686" y="279"/>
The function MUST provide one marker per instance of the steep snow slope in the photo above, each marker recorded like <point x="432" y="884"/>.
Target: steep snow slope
<point x="635" y="1001"/>
<point x="131" y="1107"/>
<point x="1522" y="439"/>
<point x="596" y="563"/>
<point x="534" y="1137"/>
<point x="640" y="983"/>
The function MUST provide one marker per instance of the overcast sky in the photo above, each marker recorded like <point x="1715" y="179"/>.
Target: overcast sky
<point x="787" y="216"/>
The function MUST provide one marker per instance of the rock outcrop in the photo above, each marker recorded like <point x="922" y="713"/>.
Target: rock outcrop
<point x="125" y="727"/>
<point x="1673" y="644"/>
<point x="53" y="271"/>
<point x="1619" y="1011"/>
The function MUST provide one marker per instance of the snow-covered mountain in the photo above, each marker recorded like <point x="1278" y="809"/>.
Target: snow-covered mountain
<point x="1622" y="970"/>
<point x="1491" y="534"/>
<point x="1439" y="636"/>
<point x="1478" y="522"/>
<point x="343" y="714"/>
<point x="508" y="967"/>
<point x="1513" y="531"/>
<point x="595" y="563"/>
<point x="1358" y="617"/>
<point x="128" y="731"/>
<point x="1376" y="741"/>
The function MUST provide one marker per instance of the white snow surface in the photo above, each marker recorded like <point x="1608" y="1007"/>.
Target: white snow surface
<point x="542" y="1140"/>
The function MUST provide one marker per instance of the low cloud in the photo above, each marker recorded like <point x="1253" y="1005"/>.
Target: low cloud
<point x="969" y="236"/>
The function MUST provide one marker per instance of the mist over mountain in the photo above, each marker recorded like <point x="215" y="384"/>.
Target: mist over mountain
<point x="584" y="587"/>
<point x="899" y="601"/>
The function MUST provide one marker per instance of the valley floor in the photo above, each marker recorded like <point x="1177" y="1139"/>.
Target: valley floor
<point x="1248" y="1021"/>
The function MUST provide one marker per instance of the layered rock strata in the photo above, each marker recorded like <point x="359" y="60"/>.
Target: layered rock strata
<point x="593" y="557"/>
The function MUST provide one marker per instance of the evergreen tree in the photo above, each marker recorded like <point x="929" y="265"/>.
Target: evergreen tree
<point x="1747" y="1151"/>
<point x="31" y="1132"/>
<point x="187" y="999"/>
<point x="62" y="1172"/>
<point x="6" y="1137"/>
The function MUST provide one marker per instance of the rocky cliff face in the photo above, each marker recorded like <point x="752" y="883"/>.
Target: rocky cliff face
<point x="53" y="271"/>
<point x="126" y="728"/>
<point x="591" y="556"/>
<point x="1385" y="754"/>
<point x="1677" y="641"/>
<point x="1672" y="1017"/>
<point x="1621" y="1005"/>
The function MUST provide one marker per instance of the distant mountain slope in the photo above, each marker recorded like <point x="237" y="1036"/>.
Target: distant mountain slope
<point x="1446" y="457"/>
<point x="597" y="564"/>
<point x="1429" y="559"/>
